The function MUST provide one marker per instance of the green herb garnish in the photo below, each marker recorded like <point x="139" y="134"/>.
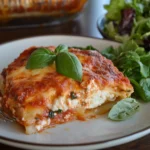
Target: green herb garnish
<point x="52" y="113"/>
<point x="61" y="48"/>
<point x="134" y="62"/>
<point x="124" y="109"/>
<point x="67" y="63"/>
<point x="73" y="95"/>
<point x="59" y="111"/>
<point x="40" y="58"/>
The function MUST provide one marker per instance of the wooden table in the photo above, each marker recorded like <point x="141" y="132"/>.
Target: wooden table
<point x="84" y="25"/>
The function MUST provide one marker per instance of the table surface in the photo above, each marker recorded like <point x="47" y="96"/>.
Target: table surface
<point x="84" y="25"/>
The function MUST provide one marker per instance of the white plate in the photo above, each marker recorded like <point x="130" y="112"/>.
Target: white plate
<point x="93" y="134"/>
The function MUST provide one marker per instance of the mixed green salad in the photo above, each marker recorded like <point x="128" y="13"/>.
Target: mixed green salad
<point x="134" y="62"/>
<point x="128" y="19"/>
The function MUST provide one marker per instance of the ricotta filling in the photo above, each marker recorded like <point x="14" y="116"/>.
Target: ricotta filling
<point x="96" y="99"/>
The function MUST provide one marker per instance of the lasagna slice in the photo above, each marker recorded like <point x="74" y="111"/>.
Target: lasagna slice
<point x="41" y="98"/>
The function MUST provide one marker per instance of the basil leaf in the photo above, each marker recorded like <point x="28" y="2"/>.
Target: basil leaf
<point x="69" y="65"/>
<point x="61" y="48"/>
<point x="124" y="109"/>
<point x="40" y="58"/>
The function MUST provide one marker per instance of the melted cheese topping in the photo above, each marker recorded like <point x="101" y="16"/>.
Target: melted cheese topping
<point x="29" y="95"/>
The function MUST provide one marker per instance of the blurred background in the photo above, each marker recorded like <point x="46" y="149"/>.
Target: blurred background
<point x="18" y="19"/>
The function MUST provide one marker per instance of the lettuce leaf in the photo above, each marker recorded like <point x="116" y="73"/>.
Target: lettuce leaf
<point x="142" y="88"/>
<point x="114" y="9"/>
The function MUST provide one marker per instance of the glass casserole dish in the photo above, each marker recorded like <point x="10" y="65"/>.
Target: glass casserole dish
<point x="17" y="13"/>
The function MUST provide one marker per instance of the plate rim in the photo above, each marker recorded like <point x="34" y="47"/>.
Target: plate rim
<point x="80" y="144"/>
<point x="32" y="144"/>
<point x="58" y="35"/>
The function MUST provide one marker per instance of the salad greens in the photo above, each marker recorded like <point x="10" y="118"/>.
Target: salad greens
<point x="124" y="109"/>
<point x="134" y="62"/>
<point x="89" y="47"/>
<point x="114" y="9"/>
<point x="128" y="19"/>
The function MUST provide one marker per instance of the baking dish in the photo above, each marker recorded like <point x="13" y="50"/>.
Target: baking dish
<point x="30" y="12"/>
